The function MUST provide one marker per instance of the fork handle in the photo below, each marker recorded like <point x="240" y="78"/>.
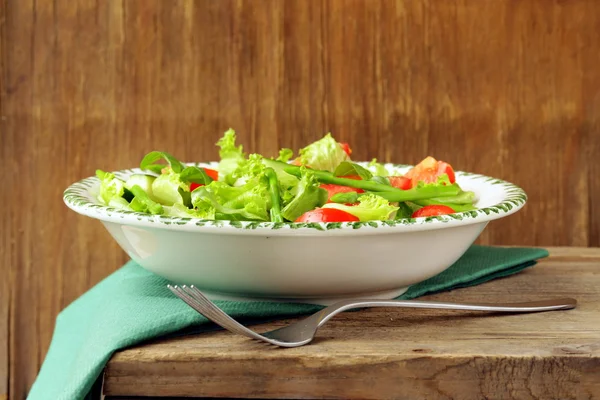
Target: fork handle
<point x="526" y="307"/>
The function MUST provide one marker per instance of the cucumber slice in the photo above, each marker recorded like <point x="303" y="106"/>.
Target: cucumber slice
<point x="143" y="181"/>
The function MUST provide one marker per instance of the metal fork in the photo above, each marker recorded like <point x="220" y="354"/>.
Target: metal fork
<point x="302" y="332"/>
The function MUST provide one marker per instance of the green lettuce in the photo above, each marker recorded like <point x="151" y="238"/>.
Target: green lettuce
<point x="179" y="210"/>
<point x="111" y="187"/>
<point x="249" y="202"/>
<point x="169" y="189"/>
<point x="285" y="155"/>
<point x="248" y="169"/>
<point x="377" y="168"/>
<point x="119" y="202"/>
<point x="231" y="156"/>
<point x="370" y="207"/>
<point x="324" y="154"/>
<point x="308" y="196"/>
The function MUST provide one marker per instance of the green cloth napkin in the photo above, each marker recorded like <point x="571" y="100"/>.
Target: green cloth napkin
<point x="133" y="305"/>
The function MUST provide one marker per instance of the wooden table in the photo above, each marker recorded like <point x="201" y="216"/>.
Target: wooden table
<point x="403" y="354"/>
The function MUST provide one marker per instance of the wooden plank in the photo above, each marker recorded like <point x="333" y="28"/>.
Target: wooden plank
<point x="97" y="84"/>
<point x="5" y="254"/>
<point x="383" y="353"/>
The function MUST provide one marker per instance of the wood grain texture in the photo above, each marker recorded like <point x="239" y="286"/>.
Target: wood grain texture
<point x="508" y="88"/>
<point x="396" y="353"/>
<point x="5" y="254"/>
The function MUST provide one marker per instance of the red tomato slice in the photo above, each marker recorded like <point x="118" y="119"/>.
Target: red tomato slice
<point x="445" y="168"/>
<point x="214" y="174"/>
<point x="327" y="215"/>
<point x="346" y="148"/>
<point x="429" y="211"/>
<point x="429" y="170"/>
<point x="400" y="182"/>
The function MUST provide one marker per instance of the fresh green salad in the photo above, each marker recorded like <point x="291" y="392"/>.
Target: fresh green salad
<point x="320" y="183"/>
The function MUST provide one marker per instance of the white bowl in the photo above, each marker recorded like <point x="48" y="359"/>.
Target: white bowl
<point x="310" y="262"/>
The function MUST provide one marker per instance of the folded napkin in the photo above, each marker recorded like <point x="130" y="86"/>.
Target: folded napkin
<point x="133" y="305"/>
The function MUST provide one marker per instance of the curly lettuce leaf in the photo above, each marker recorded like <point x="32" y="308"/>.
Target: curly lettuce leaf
<point x="111" y="187"/>
<point x="230" y="154"/>
<point x="285" y="155"/>
<point x="325" y="154"/>
<point x="248" y="169"/>
<point x="250" y="202"/>
<point x="370" y="207"/>
<point x="309" y="196"/>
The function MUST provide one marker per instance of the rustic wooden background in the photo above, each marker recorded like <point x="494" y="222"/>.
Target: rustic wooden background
<point x="509" y="88"/>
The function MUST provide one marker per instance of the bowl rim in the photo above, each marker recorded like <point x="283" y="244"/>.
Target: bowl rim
<point x="79" y="197"/>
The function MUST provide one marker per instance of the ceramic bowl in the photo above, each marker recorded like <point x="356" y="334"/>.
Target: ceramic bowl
<point x="309" y="262"/>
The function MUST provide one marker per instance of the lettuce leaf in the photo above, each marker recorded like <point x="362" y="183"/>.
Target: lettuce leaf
<point x="250" y="202"/>
<point x="309" y="195"/>
<point x="119" y="202"/>
<point x="324" y="154"/>
<point x="377" y="168"/>
<point x="178" y="210"/>
<point x="248" y="169"/>
<point x="230" y="154"/>
<point x="285" y="155"/>
<point x="111" y="187"/>
<point x="169" y="189"/>
<point x="370" y="207"/>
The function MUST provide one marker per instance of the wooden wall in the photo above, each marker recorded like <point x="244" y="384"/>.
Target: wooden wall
<point x="509" y="88"/>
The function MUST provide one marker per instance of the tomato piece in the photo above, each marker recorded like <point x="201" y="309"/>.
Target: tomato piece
<point x="214" y="174"/>
<point x="429" y="170"/>
<point x="327" y="215"/>
<point x="194" y="186"/>
<point x="346" y="148"/>
<point x="445" y="168"/>
<point x="430" y="211"/>
<point x="400" y="182"/>
<point x="429" y="163"/>
<point x="335" y="189"/>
